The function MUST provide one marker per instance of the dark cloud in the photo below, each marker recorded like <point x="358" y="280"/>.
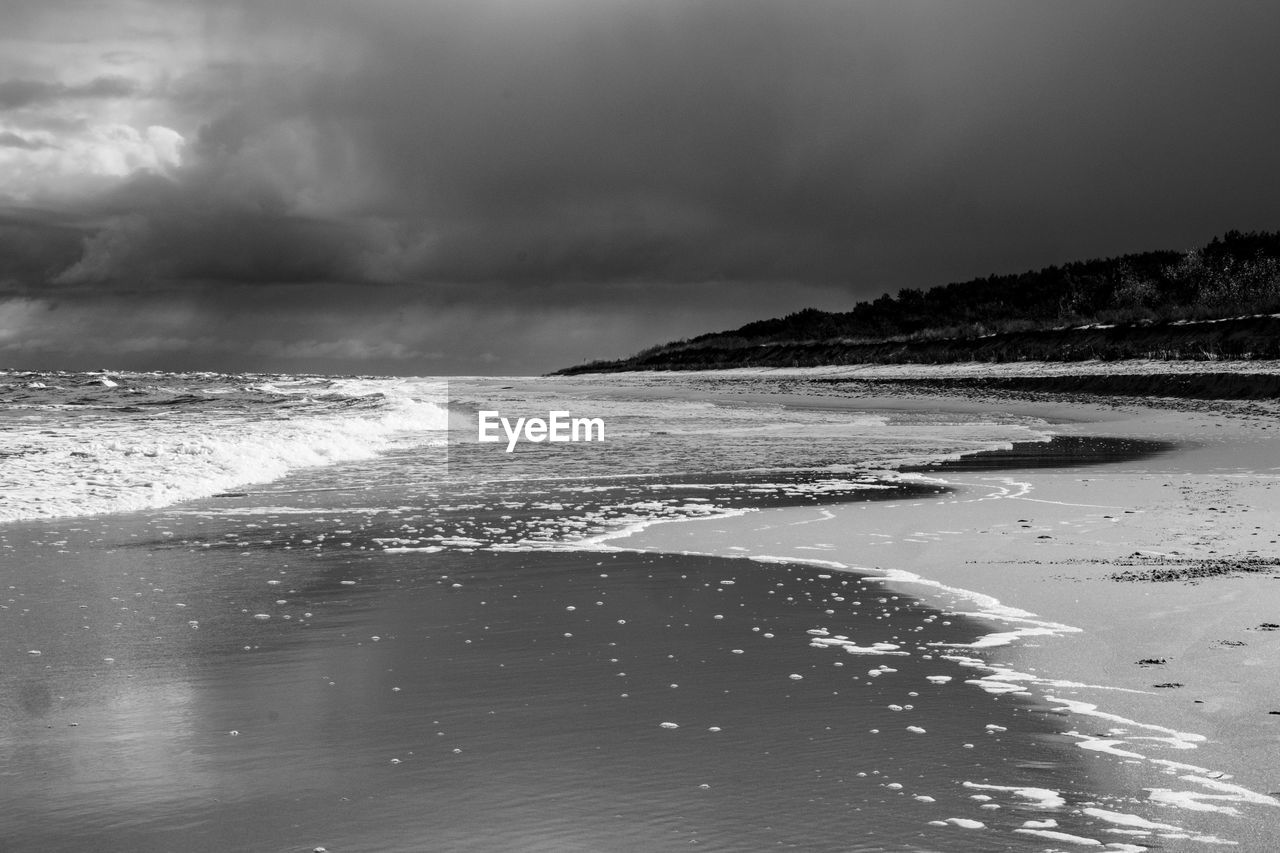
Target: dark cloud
<point x="860" y="145"/>
<point x="23" y="93"/>
<point x="616" y="172"/>
<point x="122" y="57"/>
<point x="35" y="246"/>
<point x="29" y="252"/>
<point x="157" y="230"/>
<point x="14" y="140"/>
<point x="334" y="328"/>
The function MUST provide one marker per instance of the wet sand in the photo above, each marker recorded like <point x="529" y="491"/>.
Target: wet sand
<point x="201" y="692"/>
<point x="1187" y="668"/>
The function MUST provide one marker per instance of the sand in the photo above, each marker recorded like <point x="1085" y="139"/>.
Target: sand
<point x="207" y="682"/>
<point x="1149" y="674"/>
<point x="293" y="668"/>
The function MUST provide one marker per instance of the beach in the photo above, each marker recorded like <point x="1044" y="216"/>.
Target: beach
<point x="770" y="612"/>
<point x="1147" y="588"/>
<point x="570" y="426"/>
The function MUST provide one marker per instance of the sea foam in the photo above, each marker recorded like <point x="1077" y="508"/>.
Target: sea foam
<point x="87" y="447"/>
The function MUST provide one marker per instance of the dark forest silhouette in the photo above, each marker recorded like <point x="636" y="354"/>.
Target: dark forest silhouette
<point x="1207" y="303"/>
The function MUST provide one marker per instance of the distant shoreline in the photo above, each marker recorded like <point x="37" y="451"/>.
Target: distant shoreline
<point x="1185" y="379"/>
<point x="1252" y="338"/>
<point x="1213" y="385"/>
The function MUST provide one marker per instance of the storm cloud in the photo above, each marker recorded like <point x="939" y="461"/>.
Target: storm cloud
<point x="22" y="93"/>
<point x="13" y="140"/>
<point x="478" y="186"/>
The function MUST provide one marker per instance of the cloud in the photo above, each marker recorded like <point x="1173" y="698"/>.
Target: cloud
<point x="606" y="172"/>
<point x="878" y="144"/>
<point x="13" y="140"/>
<point x="233" y="215"/>
<point x="398" y="329"/>
<point x="494" y="143"/>
<point x="15" y="94"/>
<point x="34" y="246"/>
<point x="74" y="165"/>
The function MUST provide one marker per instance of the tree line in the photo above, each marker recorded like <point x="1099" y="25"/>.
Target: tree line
<point x="1235" y="274"/>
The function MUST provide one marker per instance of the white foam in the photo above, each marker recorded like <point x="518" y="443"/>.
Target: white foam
<point x="1180" y="765"/>
<point x="1220" y="802"/>
<point x="1097" y="744"/>
<point x="1005" y="638"/>
<point x="627" y="526"/>
<point x="1189" y="800"/>
<point x="1044" y="798"/>
<point x="94" y="464"/>
<point x="854" y="649"/>
<point x="806" y="561"/>
<point x="983" y="606"/>
<point x="1241" y="793"/>
<point x="1062" y="836"/>
<point x="995" y="686"/>
<point x="1129" y="820"/>
<point x="1174" y="738"/>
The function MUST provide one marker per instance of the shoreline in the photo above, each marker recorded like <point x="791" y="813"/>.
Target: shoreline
<point x="1187" y="382"/>
<point x="315" y="585"/>
<point x="1173" y="681"/>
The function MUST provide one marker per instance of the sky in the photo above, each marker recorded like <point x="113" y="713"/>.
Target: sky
<point x="512" y="186"/>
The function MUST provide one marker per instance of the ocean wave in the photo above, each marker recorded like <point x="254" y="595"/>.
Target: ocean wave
<point x="200" y="435"/>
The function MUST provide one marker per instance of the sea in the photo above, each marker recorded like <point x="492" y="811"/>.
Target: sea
<point x="293" y="612"/>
